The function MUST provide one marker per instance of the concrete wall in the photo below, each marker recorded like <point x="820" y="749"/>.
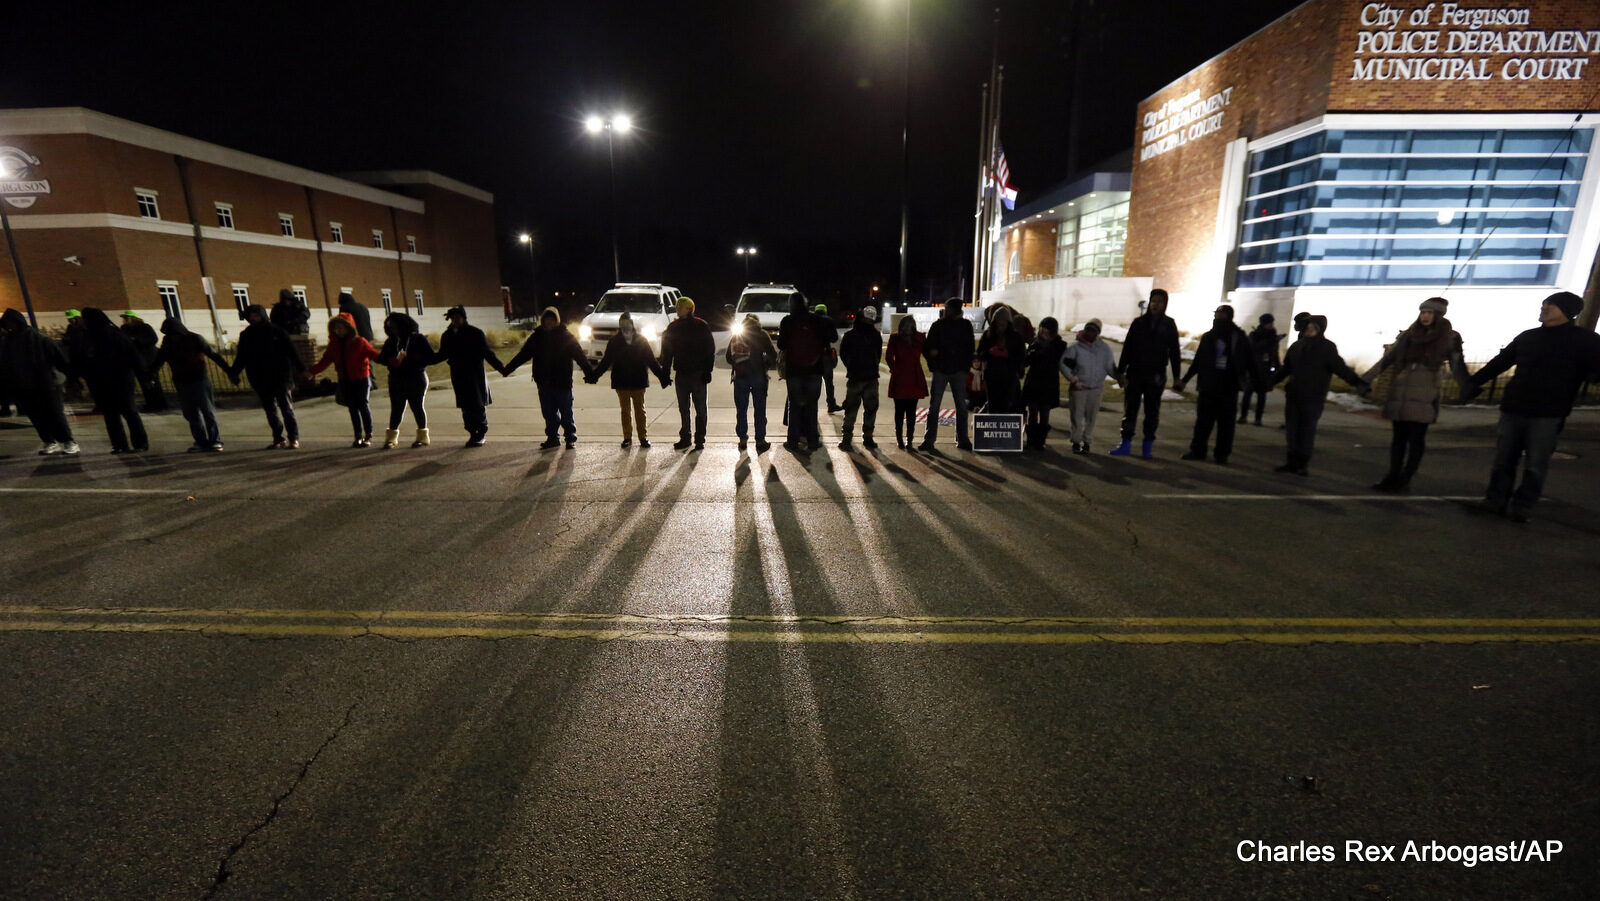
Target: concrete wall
<point x="1073" y="301"/>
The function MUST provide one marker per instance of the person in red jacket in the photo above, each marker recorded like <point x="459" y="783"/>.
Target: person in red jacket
<point x="907" y="383"/>
<point x="351" y="357"/>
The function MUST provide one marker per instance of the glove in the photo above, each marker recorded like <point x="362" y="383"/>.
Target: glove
<point x="666" y="383"/>
<point x="1469" y="391"/>
<point x="706" y="377"/>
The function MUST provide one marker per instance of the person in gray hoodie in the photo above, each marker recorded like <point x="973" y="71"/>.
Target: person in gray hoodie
<point x="1087" y="363"/>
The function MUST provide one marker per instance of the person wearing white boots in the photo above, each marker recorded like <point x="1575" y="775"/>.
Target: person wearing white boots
<point x="407" y="353"/>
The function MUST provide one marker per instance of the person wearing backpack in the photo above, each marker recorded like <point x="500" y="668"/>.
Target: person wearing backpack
<point x="806" y="341"/>
<point x="751" y="353"/>
<point x="861" y="349"/>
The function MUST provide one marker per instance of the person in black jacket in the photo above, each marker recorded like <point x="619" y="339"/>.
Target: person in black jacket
<point x="1151" y="346"/>
<point x="290" y="313"/>
<point x="1041" y="389"/>
<point x="750" y="354"/>
<point x="805" y="342"/>
<point x="1309" y="367"/>
<point x="630" y="359"/>
<point x="466" y="349"/>
<point x="949" y="351"/>
<point x="1223" y="363"/>
<point x="407" y="353"/>
<point x="1552" y="363"/>
<point x="109" y="364"/>
<point x="1001" y="356"/>
<point x="34" y="368"/>
<point x="689" y="351"/>
<point x="553" y="350"/>
<point x="267" y="357"/>
<point x="185" y="353"/>
<point x="1264" y="340"/>
<point x="146" y="342"/>
<point x="860" y="350"/>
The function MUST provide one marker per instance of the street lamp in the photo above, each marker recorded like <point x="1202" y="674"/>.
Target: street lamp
<point x="618" y="124"/>
<point x="905" y="169"/>
<point x="7" y="172"/>
<point x="746" y="253"/>
<point x="533" y="269"/>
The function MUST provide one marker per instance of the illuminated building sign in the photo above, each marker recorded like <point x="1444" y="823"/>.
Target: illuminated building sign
<point x="1450" y="42"/>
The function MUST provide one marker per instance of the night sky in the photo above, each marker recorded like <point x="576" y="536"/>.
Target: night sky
<point x="774" y="122"/>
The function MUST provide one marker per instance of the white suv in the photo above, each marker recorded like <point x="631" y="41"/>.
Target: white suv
<point x="770" y="303"/>
<point x="651" y="306"/>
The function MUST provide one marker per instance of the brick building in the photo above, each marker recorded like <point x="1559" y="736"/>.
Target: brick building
<point x="110" y="213"/>
<point x="1353" y="158"/>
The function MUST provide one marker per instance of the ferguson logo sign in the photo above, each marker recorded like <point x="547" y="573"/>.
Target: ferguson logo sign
<point x="18" y="185"/>
<point x="1451" y="42"/>
<point x="1181" y="120"/>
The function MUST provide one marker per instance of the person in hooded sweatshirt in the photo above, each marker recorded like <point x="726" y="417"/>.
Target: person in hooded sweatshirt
<point x="407" y="353"/>
<point x="1001" y="356"/>
<point x="1086" y="363"/>
<point x="907" y="382"/>
<point x="750" y="354"/>
<point x="1151" y="347"/>
<point x="689" y="351"/>
<point x="1417" y="358"/>
<point x="185" y="353"/>
<point x="1264" y="340"/>
<point x="1041" y="388"/>
<point x="630" y="359"/>
<point x="363" y="319"/>
<point x="33" y="367"/>
<point x="147" y="343"/>
<point x="466" y="349"/>
<point x="269" y="359"/>
<point x="290" y="313"/>
<point x="1552" y="363"/>
<point x="553" y="350"/>
<point x="860" y="350"/>
<point x="351" y="357"/>
<point x="805" y="341"/>
<point x="109" y="364"/>
<point x="1309" y="367"/>
<point x="1224" y="362"/>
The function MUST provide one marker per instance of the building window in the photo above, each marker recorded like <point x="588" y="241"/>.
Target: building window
<point x="336" y="232"/>
<point x="241" y="297"/>
<point x="299" y="292"/>
<point x="377" y="238"/>
<point x="147" y="203"/>
<point x="418" y="295"/>
<point x="286" y="224"/>
<point x="411" y="243"/>
<point x="1398" y="207"/>
<point x="1100" y="233"/>
<point x="1014" y="268"/>
<point x="388" y="301"/>
<point x="224" y="215"/>
<point x="169" y="300"/>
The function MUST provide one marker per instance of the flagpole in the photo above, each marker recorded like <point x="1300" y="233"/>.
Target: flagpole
<point x="993" y="199"/>
<point x="983" y="184"/>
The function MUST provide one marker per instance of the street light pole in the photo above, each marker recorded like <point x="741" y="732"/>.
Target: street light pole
<point x="533" y="269"/>
<point x="617" y="123"/>
<point x="905" y="170"/>
<point x="11" y="245"/>
<point x="745" y="253"/>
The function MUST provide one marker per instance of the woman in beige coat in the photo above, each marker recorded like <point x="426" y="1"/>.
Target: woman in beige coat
<point x="1417" y="357"/>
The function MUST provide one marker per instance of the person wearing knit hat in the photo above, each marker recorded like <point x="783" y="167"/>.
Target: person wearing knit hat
<point x="1552" y="362"/>
<point x="1416" y="358"/>
<point x="861" y="349"/>
<point x="553" y="350"/>
<point x="1264" y="340"/>
<point x="147" y="342"/>
<point x="689" y="351"/>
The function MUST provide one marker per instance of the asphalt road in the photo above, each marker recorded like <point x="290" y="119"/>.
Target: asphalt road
<point x="596" y="673"/>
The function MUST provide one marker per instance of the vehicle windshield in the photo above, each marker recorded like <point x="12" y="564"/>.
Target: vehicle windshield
<point x="628" y="302"/>
<point x="766" y="302"/>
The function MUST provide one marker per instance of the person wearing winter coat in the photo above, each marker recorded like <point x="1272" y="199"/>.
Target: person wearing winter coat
<point x="689" y="351"/>
<point x="1309" y="367"/>
<point x="907" y="383"/>
<point x="147" y="343"/>
<point x="466" y="349"/>
<point x="1417" y="357"/>
<point x="1264" y="340"/>
<point x="1552" y="362"/>
<point x="290" y="313"/>
<point x="860" y="350"/>
<point x="33" y="368"/>
<point x="751" y="353"/>
<point x="949" y="350"/>
<point x="351" y="357"/>
<point x="1151" y="347"/>
<point x="1224" y="362"/>
<point x="407" y="353"/>
<point x="832" y="363"/>
<point x="552" y="350"/>
<point x="359" y="314"/>
<point x="631" y="361"/>
<point x="805" y="341"/>
<point x="266" y="355"/>
<point x="109" y="364"/>
<point x="1041" y="388"/>
<point x="185" y="354"/>
<point x="1001" y="356"/>
<point x="1087" y="363"/>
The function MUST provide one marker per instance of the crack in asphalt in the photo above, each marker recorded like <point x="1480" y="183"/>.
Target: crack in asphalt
<point x="223" y="873"/>
<point x="1127" y="523"/>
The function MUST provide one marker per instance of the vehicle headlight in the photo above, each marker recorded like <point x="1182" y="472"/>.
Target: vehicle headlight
<point x="737" y="328"/>
<point x="648" y="332"/>
<point x="585" y="332"/>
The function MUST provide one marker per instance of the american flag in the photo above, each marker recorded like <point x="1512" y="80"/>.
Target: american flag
<point x="1002" y="178"/>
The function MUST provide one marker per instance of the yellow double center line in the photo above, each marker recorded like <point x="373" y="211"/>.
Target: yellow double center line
<point x="404" y="625"/>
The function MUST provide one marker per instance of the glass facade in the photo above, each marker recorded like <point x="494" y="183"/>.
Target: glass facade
<point x="1090" y="238"/>
<point x="1486" y="207"/>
